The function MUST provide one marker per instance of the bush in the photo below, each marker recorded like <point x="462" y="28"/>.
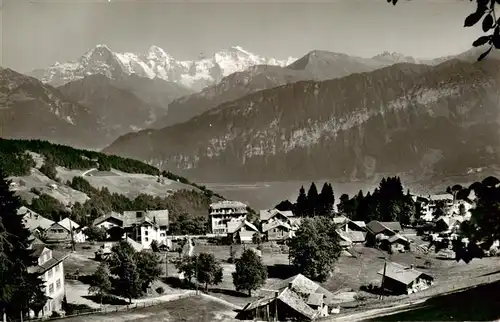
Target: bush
<point x="55" y="314"/>
<point x="49" y="169"/>
<point x="160" y="290"/>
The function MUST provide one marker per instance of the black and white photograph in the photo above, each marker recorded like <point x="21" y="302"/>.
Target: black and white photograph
<point x="249" y="160"/>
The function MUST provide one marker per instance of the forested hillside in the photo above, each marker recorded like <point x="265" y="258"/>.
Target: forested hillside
<point x="16" y="160"/>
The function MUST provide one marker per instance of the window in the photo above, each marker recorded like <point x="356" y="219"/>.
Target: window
<point x="51" y="288"/>
<point x="146" y="232"/>
<point x="162" y="234"/>
<point x="57" y="268"/>
<point x="50" y="273"/>
<point x="58" y="284"/>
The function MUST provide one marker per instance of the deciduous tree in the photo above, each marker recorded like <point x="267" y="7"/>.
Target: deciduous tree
<point x="485" y="11"/>
<point x="315" y="248"/>
<point x="209" y="271"/>
<point x="250" y="272"/>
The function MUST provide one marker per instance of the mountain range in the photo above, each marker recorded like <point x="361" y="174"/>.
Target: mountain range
<point x="324" y="115"/>
<point x="30" y="109"/>
<point x="155" y="63"/>
<point x="406" y="118"/>
<point x="316" y="65"/>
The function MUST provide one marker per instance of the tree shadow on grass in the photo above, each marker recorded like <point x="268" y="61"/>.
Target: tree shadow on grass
<point x="233" y="293"/>
<point x="281" y="271"/>
<point x="176" y="282"/>
<point x="107" y="299"/>
<point x="85" y="279"/>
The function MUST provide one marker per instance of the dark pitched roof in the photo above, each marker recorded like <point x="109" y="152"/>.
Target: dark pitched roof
<point x="392" y="225"/>
<point x="57" y="257"/>
<point x="376" y="227"/>
<point x="402" y="274"/>
<point x="37" y="250"/>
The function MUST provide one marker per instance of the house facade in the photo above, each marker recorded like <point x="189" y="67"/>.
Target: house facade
<point x="242" y="232"/>
<point x="224" y="214"/>
<point x="64" y="231"/>
<point x="50" y="269"/>
<point x="140" y="226"/>
<point x="277" y="231"/>
<point x="295" y="299"/>
<point x="277" y="225"/>
<point x="146" y="226"/>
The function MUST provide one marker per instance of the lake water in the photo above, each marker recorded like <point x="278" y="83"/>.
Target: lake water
<point x="264" y="195"/>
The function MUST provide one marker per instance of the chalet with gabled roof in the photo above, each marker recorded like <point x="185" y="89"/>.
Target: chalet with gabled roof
<point x="399" y="279"/>
<point x="50" y="269"/>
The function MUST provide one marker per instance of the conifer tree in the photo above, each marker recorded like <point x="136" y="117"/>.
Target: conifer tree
<point x="312" y="200"/>
<point x="326" y="200"/>
<point x="18" y="287"/>
<point x="301" y="205"/>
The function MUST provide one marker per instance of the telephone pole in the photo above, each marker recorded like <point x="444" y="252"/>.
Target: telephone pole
<point x="71" y="232"/>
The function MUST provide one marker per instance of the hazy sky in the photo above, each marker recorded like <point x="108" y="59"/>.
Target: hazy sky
<point x="38" y="33"/>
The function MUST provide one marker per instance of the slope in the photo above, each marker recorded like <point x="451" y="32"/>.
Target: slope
<point x="120" y="110"/>
<point x="316" y="65"/>
<point x="30" y="109"/>
<point x="90" y="183"/>
<point x="409" y="118"/>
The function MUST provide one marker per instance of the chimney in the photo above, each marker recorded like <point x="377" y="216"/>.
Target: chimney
<point x="290" y="285"/>
<point x="411" y="266"/>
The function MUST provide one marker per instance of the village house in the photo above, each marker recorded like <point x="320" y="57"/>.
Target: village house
<point x="140" y="226"/>
<point x="146" y="226"/>
<point x="377" y="231"/>
<point x="241" y="231"/>
<point x="399" y="279"/>
<point x="447" y="224"/>
<point x="50" y="268"/>
<point x="108" y="221"/>
<point x="223" y="212"/>
<point x="34" y="222"/>
<point x="277" y="231"/>
<point x="65" y="230"/>
<point x="277" y="225"/>
<point x="297" y="298"/>
<point x="346" y="224"/>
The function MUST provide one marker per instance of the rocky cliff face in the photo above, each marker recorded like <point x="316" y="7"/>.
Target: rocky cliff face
<point x="404" y="118"/>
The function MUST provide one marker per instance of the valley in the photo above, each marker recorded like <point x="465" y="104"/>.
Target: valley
<point x="273" y="161"/>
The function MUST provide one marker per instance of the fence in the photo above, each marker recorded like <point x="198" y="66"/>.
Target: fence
<point x="121" y="308"/>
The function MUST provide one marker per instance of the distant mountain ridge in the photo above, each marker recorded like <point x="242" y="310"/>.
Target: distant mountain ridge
<point x="405" y="118"/>
<point x="30" y="109"/>
<point x="155" y="63"/>
<point x="316" y="65"/>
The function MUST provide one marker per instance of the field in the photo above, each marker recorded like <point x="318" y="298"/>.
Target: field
<point x="128" y="184"/>
<point x="349" y="275"/>
<point x="192" y="309"/>
<point x="39" y="181"/>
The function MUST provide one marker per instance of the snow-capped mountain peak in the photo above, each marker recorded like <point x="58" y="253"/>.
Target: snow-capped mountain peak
<point x="155" y="62"/>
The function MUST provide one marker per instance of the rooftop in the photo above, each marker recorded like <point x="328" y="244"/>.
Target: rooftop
<point x="227" y="204"/>
<point x="32" y="220"/>
<point x="270" y="213"/>
<point x="400" y="273"/>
